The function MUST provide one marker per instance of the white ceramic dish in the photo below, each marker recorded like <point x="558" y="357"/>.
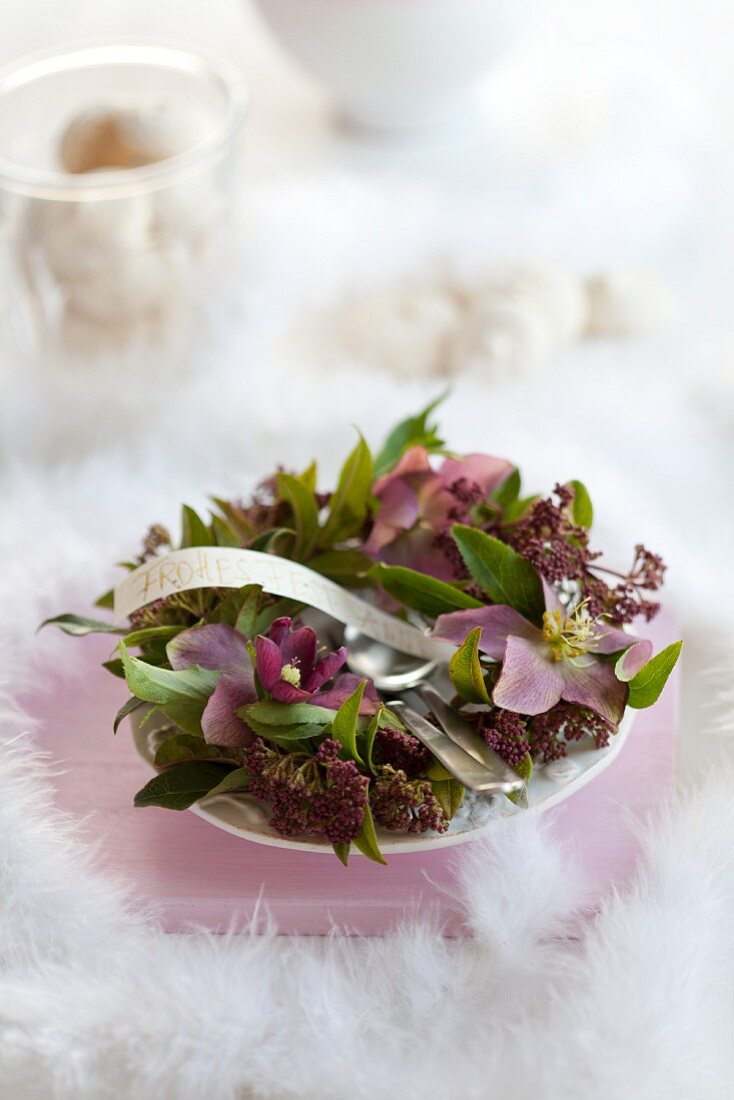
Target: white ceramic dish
<point x="396" y="63"/>
<point x="247" y="817"/>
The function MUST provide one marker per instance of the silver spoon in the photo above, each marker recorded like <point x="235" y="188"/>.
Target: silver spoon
<point x="458" y="747"/>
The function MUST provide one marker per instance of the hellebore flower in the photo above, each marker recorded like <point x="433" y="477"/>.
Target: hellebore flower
<point x="219" y="647"/>
<point x="418" y="505"/>
<point x="563" y="660"/>
<point x="290" y="670"/>
<point x="287" y="665"/>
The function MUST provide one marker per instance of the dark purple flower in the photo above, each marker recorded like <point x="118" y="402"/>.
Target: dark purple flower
<point x="417" y="504"/>
<point x="288" y="663"/>
<point x="561" y="660"/>
<point x="290" y="670"/>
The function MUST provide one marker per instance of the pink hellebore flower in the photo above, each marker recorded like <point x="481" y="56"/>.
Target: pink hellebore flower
<point x="417" y="503"/>
<point x="561" y="660"/>
<point x="288" y="668"/>
<point x="222" y="649"/>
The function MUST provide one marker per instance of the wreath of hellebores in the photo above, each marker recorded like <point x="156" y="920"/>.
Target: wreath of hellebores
<point x="256" y="706"/>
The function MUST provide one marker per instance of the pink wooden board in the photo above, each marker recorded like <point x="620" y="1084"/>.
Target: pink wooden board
<point x="198" y="875"/>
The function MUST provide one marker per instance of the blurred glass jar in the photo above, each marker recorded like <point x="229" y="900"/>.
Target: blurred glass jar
<point x="117" y="191"/>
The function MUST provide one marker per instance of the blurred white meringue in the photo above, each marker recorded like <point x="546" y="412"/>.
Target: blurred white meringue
<point x="129" y="137"/>
<point x="513" y="320"/>
<point x="408" y="330"/>
<point x="627" y="302"/>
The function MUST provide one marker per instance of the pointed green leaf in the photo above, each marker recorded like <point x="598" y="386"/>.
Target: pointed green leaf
<point x="347" y="567"/>
<point x="148" y="633"/>
<point x="503" y="574"/>
<point x="508" y="492"/>
<point x="420" y="592"/>
<point x="115" y="667"/>
<point x="223" y="533"/>
<point x="268" y="712"/>
<point x="582" y="509"/>
<point x="238" y="780"/>
<point x="515" y="511"/>
<point x="413" y="432"/>
<point x="348" y="505"/>
<point x="305" y="513"/>
<point x="180" y="786"/>
<point x="646" y="687"/>
<point x="466" y="672"/>
<point x="183" y="747"/>
<point x="194" y="532"/>
<point x="163" y="685"/>
<point x="525" y="770"/>
<point x="369" y="741"/>
<point x="308" y="477"/>
<point x="237" y="520"/>
<point x="366" y="839"/>
<point x="106" y="600"/>
<point x="125" y="710"/>
<point x="78" y="626"/>
<point x="341" y="851"/>
<point x="450" y="793"/>
<point x="344" y="726"/>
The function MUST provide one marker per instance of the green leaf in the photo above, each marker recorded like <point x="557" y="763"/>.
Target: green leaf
<point x="582" y="509"/>
<point x="237" y="520"/>
<point x="450" y="793"/>
<point x="344" y="726"/>
<point x="366" y="839"/>
<point x="525" y="770"/>
<point x="179" y="787"/>
<point x="646" y="687"/>
<point x="369" y="741"/>
<point x="346" y="567"/>
<point x="223" y="533"/>
<point x="78" y="626"/>
<point x="186" y="714"/>
<point x="515" y="511"/>
<point x="466" y="672"/>
<point x="268" y="712"/>
<point x="308" y="477"/>
<point x="508" y="492"/>
<point x="163" y="685"/>
<point x="503" y="574"/>
<point x="194" y="532"/>
<point x="457" y="796"/>
<point x="184" y="747"/>
<point x="413" y="432"/>
<point x="238" y="780"/>
<point x="348" y="506"/>
<point x="125" y="710"/>
<point x="115" y="667"/>
<point x="279" y="540"/>
<point x="421" y="593"/>
<point x="341" y="851"/>
<point x="106" y="600"/>
<point x="437" y="771"/>
<point x="305" y="513"/>
<point x="287" y="736"/>
<point x="147" y="633"/>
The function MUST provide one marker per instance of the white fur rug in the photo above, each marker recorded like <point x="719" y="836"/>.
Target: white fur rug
<point x="94" y="1001"/>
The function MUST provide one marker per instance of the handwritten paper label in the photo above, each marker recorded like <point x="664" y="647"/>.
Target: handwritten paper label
<point x="229" y="567"/>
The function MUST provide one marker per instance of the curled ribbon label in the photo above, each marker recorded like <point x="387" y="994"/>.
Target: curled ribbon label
<point x="229" y="567"/>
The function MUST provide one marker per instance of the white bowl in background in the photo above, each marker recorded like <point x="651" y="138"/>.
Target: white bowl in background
<point x="397" y="63"/>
